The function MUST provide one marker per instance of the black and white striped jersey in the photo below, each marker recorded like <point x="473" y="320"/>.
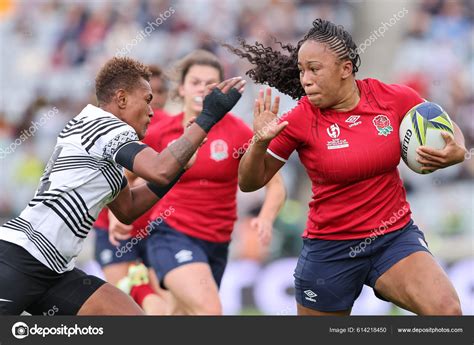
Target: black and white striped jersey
<point x="80" y="178"/>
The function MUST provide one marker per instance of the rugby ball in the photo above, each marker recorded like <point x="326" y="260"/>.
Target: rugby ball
<point x="422" y="126"/>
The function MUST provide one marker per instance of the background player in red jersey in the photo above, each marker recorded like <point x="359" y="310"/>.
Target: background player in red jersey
<point x="188" y="248"/>
<point x="359" y="229"/>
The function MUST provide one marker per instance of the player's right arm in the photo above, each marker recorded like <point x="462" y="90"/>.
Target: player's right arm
<point x="163" y="170"/>
<point x="257" y="167"/>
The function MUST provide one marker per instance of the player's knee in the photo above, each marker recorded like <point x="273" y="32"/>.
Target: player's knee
<point x="206" y="306"/>
<point x="448" y="305"/>
<point x="452" y="306"/>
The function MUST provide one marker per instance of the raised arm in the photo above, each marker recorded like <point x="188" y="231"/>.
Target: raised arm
<point x="163" y="170"/>
<point x="257" y="167"/>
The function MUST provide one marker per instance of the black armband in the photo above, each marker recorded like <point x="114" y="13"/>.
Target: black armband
<point x="126" y="154"/>
<point x="124" y="183"/>
<point x="160" y="191"/>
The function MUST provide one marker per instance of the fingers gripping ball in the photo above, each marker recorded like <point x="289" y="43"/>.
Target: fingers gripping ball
<point x="422" y="126"/>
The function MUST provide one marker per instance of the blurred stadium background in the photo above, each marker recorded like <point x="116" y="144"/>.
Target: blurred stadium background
<point x="51" y="50"/>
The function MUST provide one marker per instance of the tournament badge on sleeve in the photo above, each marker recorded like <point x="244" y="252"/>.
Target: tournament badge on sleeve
<point x="219" y="150"/>
<point x="382" y="123"/>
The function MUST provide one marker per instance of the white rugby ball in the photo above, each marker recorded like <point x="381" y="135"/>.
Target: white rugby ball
<point x="422" y="126"/>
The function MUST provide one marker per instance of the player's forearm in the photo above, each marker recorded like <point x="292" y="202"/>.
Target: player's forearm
<point x="162" y="168"/>
<point x="274" y="198"/>
<point x="252" y="168"/>
<point x="133" y="202"/>
<point x="142" y="199"/>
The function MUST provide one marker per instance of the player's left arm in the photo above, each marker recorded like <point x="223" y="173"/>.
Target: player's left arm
<point x="118" y="230"/>
<point x="453" y="153"/>
<point x="274" y="199"/>
<point x="132" y="202"/>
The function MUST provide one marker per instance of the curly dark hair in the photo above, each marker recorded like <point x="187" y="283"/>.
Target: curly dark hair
<point x="280" y="70"/>
<point x="119" y="73"/>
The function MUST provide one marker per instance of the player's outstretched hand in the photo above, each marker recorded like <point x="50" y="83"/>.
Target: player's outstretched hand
<point x="220" y="99"/>
<point x="266" y="125"/>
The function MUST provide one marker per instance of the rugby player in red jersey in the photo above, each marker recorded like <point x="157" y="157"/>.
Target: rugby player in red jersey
<point x="359" y="230"/>
<point x="189" y="242"/>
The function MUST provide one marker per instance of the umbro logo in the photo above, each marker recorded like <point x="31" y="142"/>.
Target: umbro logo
<point x="310" y="295"/>
<point x="423" y="243"/>
<point x="183" y="256"/>
<point x="353" y="120"/>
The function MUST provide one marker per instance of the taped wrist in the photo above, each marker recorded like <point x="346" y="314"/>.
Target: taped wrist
<point x="205" y="122"/>
<point x="160" y="191"/>
<point x="215" y="106"/>
<point x="126" y="154"/>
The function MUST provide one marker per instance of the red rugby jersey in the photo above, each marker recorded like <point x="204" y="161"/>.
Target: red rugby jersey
<point x="102" y="222"/>
<point x="351" y="158"/>
<point x="203" y="203"/>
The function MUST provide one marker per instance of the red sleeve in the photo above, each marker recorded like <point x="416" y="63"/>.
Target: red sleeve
<point x="102" y="221"/>
<point x="292" y="136"/>
<point x="395" y="96"/>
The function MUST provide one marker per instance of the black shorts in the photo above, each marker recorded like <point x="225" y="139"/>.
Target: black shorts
<point x="28" y="285"/>
<point x="168" y="248"/>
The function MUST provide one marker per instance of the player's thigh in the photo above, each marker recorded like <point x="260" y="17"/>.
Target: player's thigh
<point x="182" y="267"/>
<point x="194" y="287"/>
<point x="114" y="272"/>
<point x="419" y="284"/>
<point x="17" y="290"/>
<point x="109" y="300"/>
<point x="23" y="279"/>
<point x="67" y="294"/>
<point x="327" y="278"/>
<point x="405" y="272"/>
<point x="172" y="305"/>
<point x="168" y="249"/>
<point x="303" y="311"/>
